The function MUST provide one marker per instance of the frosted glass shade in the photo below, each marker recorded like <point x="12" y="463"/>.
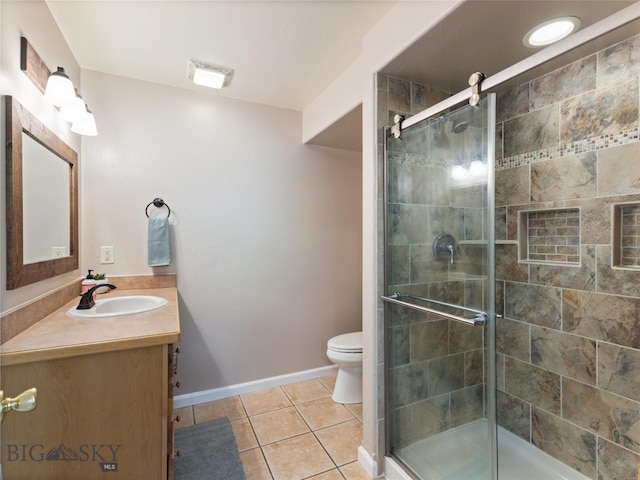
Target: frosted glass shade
<point x="59" y="90"/>
<point x="85" y="125"/>
<point x="74" y="109"/>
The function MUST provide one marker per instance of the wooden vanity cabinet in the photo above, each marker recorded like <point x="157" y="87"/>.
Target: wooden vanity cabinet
<point x="100" y="415"/>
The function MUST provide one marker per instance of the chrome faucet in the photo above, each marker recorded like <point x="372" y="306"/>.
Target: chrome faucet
<point x="451" y="251"/>
<point x="86" y="302"/>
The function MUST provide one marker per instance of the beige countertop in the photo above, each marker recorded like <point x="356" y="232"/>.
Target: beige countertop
<point x="59" y="335"/>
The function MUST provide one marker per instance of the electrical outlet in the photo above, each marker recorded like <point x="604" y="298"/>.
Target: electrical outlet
<point x="58" y="252"/>
<point x="106" y="255"/>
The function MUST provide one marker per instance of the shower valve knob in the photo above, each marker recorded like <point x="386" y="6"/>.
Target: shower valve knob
<point x="444" y="247"/>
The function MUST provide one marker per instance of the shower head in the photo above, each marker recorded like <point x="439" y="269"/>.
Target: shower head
<point x="459" y="126"/>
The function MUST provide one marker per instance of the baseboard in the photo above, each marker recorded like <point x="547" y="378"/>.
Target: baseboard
<point x="367" y="462"/>
<point x="196" y="398"/>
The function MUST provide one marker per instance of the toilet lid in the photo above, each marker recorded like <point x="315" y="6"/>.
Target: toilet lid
<point x="348" y="342"/>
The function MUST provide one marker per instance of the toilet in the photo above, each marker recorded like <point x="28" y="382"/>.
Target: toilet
<point x="346" y="352"/>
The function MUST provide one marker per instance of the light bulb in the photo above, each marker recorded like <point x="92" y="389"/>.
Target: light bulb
<point x="477" y="168"/>
<point x="458" y="172"/>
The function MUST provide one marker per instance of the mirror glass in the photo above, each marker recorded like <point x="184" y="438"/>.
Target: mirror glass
<point x="45" y="203"/>
<point x="42" y="200"/>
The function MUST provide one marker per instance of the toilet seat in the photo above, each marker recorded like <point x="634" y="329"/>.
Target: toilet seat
<point x="346" y="343"/>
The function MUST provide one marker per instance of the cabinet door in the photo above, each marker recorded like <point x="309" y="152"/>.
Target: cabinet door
<point x="100" y="414"/>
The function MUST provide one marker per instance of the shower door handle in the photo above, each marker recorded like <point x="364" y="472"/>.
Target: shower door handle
<point x="479" y="319"/>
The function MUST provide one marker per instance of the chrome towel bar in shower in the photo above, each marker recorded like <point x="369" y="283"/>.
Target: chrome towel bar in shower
<point x="479" y="319"/>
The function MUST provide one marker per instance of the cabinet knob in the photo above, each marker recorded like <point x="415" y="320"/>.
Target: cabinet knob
<point x="177" y="419"/>
<point x="177" y="385"/>
<point x="24" y="402"/>
<point x="177" y="453"/>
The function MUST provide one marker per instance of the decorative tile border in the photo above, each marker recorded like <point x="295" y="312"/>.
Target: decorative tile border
<point x="588" y="145"/>
<point x="415" y="160"/>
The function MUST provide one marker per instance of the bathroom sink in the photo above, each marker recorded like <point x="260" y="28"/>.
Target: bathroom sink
<point x="118" y="306"/>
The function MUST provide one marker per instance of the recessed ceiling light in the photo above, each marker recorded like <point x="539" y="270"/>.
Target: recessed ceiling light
<point x="212" y="76"/>
<point x="551" y="31"/>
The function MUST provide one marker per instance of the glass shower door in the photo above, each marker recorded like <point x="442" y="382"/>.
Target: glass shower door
<point x="440" y="295"/>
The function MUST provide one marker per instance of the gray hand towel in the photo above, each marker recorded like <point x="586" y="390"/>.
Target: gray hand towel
<point x="159" y="247"/>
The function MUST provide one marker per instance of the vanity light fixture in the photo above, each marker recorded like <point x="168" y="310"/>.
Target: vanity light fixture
<point x="86" y="124"/>
<point x="59" y="90"/>
<point x="551" y="31"/>
<point x="212" y="76"/>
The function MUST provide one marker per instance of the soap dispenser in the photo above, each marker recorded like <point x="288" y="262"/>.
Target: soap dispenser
<point x="87" y="283"/>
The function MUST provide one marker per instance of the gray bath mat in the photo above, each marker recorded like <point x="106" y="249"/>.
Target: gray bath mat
<point x="208" y="451"/>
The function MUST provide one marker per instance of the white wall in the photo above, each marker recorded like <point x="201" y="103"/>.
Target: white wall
<point x="33" y="21"/>
<point x="266" y="231"/>
<point x="404" y="23"/>
<point x="397" y="30"/>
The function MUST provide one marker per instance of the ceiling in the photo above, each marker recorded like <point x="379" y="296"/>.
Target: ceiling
<point x="284" y="53"/>
<point x="287" y="52"/>
<point x="486" y="36"/>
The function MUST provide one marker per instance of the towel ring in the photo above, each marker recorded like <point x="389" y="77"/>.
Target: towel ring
<point x="158" y="203"/>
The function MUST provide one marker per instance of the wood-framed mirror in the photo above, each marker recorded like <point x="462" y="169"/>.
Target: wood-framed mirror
<point x="42" y="182"/>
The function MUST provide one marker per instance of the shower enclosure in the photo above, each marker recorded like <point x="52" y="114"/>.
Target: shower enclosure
<point x="439" y="295"/>
<point x="439" y="298"/>
<point x="444" y="395"/>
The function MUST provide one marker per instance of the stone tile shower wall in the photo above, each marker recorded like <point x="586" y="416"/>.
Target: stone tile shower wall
<point x="569" y="343"/>
<point x="437" y="372"/>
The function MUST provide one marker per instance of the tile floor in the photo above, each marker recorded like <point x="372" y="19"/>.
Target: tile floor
<point x="293" y="432"/>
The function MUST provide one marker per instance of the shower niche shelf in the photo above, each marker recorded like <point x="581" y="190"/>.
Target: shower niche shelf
<point x="549" y="236"/>
<point x="626" y="236"/>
